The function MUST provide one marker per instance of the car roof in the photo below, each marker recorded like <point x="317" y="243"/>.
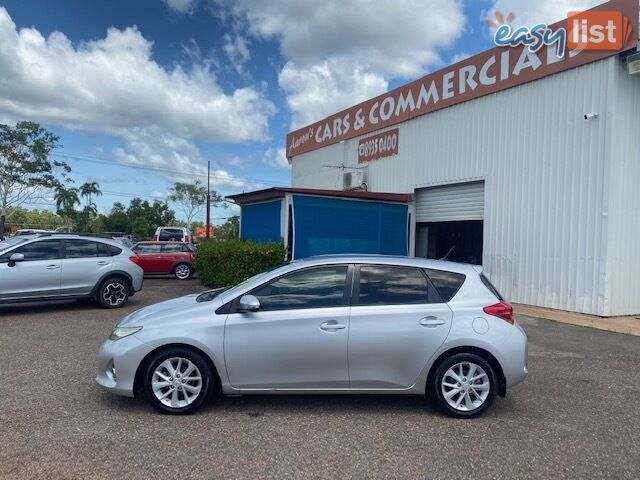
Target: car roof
<point x="75" y="236"/>
<point x="159" y="242"/>
<point x="398" y="260"/>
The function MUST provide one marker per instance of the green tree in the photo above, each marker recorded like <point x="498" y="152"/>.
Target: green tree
<point x="117" y="220"/>
<point x="89" y="210"/>
<point x="66" y="200"/>
<point x="229" y="230"/>
<point x="140" y="228"/>
<point x="190" y="198"/>
<point x="26" y="172"/>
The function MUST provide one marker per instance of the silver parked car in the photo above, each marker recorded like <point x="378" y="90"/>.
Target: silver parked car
<point x="64" y="266"/>
<point x="329" y="324"/>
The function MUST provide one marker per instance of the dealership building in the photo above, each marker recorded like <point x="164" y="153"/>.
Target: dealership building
<point x="527" y="163"/>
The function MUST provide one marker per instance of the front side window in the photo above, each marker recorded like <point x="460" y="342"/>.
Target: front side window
<point x="147" y="248"/>
<point x="390" y="285"/>
<point x="310" y="288"/>
<point x="43" y="250"/>
<point x="81" y="249"/>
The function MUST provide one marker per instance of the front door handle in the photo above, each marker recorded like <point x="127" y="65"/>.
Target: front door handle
<point x="431" y="321"/>
<point x="332" y="326"/>
<point x="52" y="267"/>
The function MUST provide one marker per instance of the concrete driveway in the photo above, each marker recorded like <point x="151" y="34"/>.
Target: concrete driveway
<point x="576" y="416"/>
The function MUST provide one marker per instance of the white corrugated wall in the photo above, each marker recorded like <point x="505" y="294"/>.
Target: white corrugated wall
<point x="546" y="180"/>
<point x="623" y="210"/>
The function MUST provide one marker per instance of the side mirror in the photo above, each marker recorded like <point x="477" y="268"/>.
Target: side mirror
<point x="13" y="259"/>
<point x="249" y="303"/>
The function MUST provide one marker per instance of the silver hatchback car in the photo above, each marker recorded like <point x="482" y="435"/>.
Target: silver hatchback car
<point x="56" y="266"/>
<point x="329" y="324"/>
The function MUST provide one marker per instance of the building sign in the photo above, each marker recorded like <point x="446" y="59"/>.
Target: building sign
<point x="488" y="72"/>
<point x="384" y="144"/>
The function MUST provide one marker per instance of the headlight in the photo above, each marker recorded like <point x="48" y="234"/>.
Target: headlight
<point x="121" y="332"/>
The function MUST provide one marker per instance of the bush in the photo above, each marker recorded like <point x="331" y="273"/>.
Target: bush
<point x="229" y="262"/>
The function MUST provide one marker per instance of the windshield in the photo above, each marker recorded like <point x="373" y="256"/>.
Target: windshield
<point x="10" y="242"/>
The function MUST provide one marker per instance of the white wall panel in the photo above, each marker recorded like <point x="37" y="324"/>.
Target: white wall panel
<point x="623" y="210"/>
<point x="546" y="174"/>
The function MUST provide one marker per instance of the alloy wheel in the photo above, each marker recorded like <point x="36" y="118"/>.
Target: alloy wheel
<point x="465" y="386"/>
<point x="176" y="382"/>
<point x="114" y="294"/>
<point x="183" y="271"/>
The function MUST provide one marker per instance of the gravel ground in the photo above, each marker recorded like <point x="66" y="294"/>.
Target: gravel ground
<point x="576" y="415"/>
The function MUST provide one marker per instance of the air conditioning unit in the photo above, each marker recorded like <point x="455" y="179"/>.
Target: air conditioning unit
<point x="355" y="180"/>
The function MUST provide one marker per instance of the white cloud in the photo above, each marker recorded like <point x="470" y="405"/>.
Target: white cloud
<point x="181" y="6"/>
<point x="458" y="57"/>
<point x="276" y="158"/>
<point x="237" y="51"/>
<point x="112" y="85"/>
<point x="527" y="12"/>
<point x="339" y="53"/>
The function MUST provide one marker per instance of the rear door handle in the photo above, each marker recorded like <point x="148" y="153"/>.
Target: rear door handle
<point x="52" y="267"/>
<point x="332" y="326"/>
<point x="431" y="321"/>
<point x="103" y="263"/>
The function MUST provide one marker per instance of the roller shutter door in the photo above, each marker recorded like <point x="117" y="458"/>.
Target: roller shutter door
<point x="462" y="201"/>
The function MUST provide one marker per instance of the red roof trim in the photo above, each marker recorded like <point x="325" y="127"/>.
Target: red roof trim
<point x="279" y="192"/>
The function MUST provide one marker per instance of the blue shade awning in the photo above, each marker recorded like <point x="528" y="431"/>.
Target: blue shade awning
<point x="332" y="225"/>
<point x="260" y="222"/>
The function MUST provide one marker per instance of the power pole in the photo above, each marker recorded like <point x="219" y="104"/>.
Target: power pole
<point x="208" y="223"/>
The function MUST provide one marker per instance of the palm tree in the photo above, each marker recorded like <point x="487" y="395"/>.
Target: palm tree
<point x="89" y="189"/>
<point x="66" y="200"/>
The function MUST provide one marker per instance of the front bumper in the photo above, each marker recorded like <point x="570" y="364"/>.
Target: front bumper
<point x="118" y="362"/>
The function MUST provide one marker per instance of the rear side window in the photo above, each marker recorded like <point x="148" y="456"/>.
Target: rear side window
<point x="389" y="285"/>
<point x="447" y="283"/>
<point x="168" y="234"/>
<point x="176" y="248"/>
<point x="490" y="286"/>
<point x="81" y="249"/>
<point x="106" y="250"/>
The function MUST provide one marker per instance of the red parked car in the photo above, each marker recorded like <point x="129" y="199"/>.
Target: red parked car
<point x="175" y="258"/>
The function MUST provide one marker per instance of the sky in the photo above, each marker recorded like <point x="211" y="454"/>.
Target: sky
<point x="142" y="93"/>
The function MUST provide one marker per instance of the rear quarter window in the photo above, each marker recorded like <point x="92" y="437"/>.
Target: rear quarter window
<point x="447" y="283"/>
<point x="490" y="286"/>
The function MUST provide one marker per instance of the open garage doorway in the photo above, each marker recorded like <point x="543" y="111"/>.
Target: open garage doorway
<point x="458" y="241"/>
<point x="449" y="222"/>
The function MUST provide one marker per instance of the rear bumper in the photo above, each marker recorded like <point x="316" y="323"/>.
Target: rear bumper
<point x="515" y="352"/>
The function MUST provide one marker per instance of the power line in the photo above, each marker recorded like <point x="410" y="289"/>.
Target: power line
<point x="105" y="161"/>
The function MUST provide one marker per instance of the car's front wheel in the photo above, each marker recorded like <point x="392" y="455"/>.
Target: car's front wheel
<point x="178" y="381"/>
<point x="464" y="385"/>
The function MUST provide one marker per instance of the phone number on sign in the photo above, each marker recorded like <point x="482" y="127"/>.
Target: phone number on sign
<point x="381" y="145"/>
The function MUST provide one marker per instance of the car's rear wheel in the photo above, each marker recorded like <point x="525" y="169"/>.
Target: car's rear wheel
<point x="178" y="381"/>
<point x="464" y="385"/>
<point x="182" y="271"/>
<point x="113" y="293"/>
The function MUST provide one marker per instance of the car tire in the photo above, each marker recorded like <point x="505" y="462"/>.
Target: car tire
<point x="459" y="394"/>
<point x="166" y="387"/>
<point x="113" y="293"/>
<point x="183" y="271"/>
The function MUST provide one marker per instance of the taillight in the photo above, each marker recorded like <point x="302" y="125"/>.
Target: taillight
<point x="186" y="239"/>
<point x="501" y="310"/>
<point x="155" y="238"/>
<point x="135" y="259"/>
